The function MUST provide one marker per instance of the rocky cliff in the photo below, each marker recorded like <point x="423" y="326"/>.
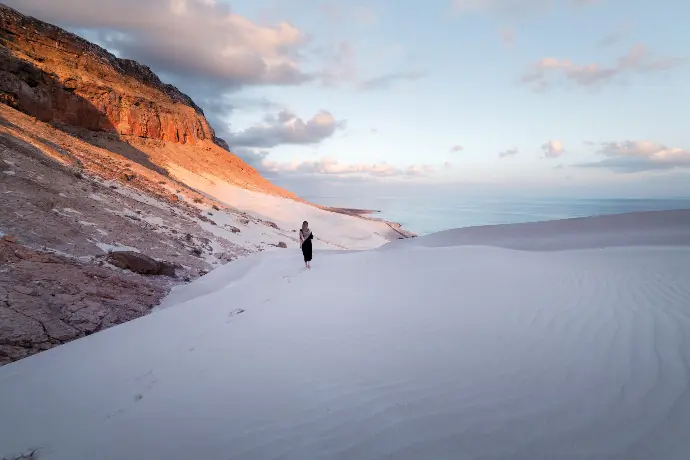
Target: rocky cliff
<point x="57" y="76"/>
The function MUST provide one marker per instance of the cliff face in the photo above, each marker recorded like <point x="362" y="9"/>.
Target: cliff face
<point x="56" y="76"/>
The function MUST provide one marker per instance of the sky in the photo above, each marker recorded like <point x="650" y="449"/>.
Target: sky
<point x="545" y="95"/>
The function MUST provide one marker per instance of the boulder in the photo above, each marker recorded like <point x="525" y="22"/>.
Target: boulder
<point x="224" y="257"/>
<point x="141" y="263"/>
<point x="282" y="245"/>
<point x="134" y="261"/>
<point x="167" y="269"/>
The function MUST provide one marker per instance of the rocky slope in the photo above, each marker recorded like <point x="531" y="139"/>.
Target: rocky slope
<point x="47" y="299"/>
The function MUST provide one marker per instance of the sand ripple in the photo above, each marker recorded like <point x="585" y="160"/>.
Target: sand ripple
<point x="448" y="353"/>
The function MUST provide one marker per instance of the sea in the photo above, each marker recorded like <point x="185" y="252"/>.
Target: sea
<point x="423" y="214"/>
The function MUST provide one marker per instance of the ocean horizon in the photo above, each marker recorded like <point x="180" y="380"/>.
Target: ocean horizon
<point x="424" y="215"/>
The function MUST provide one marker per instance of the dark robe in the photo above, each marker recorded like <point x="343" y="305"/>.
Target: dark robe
<point x="306" y="248"/>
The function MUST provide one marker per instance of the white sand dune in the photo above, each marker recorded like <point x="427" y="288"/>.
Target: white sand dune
<point x="653" y="228"/>
<point x="440" y="347"/>
<point x="331" y="230"/>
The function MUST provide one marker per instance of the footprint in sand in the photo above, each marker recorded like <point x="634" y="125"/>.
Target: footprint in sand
<point x="233" y="314"/>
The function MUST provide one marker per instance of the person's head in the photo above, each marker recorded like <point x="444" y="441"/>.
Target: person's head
<point x="305" y="225"/>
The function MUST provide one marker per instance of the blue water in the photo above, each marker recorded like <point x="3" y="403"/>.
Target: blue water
<point x="424" y="215"/>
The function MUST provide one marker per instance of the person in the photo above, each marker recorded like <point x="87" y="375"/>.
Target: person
<point x="305" y="237"/>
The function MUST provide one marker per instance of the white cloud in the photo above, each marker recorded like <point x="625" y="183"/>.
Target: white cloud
<point x="508" y="153"/>
<point x="253" y="157"/>
<point x="512" y="7"/>
<point x="188" y="38"/>
<point x="331" y="166"/>
<point x="637" y="156"/>
<point x="639" y="60"/>
<point x="388" y="80"/>
<point x="500" y="6"/>
<point x="340" y="64"/>
<point x="339" y="12"/>
<point x="365" y="16"/>
<point x="553" y="149"/>
<point x="204" y="43"/>
<point x="456" y="148"/>
<point x="287" y="128"/>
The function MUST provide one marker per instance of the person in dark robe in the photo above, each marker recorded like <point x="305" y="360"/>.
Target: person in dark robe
<point x="305" y="237"/>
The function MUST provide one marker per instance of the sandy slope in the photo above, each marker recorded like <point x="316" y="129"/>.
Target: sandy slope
<point x="414" y="351"/>
<point x="654" y="228"/>
<point x="331" y="229"/>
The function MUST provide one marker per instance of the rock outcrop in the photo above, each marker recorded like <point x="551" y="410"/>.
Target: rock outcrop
<point x="56" y="76"/>
<point x="140" y="263"/>
<point x="47" y="300"/>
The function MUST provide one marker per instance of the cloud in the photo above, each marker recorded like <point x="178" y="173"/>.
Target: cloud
<point x="287" y="128"/>
<point x="609" y="40"/>
<point x="341" y="68"/>
<point x="553" y="149"/>
<point x="204" y="43"/>
<point x="388" y="80"/>
<point x="456" y="149"/>
<point x="513" y="7"/>
<point x="331" y="166"/>
<point x="340" y="64"/>
<point x="638" y="156"/>
<point x="365" y="16"/>
<point x="615" y="36"/>
<point x="254" y="144"/>
<point x="639" y="60"/>
<point x="507" y="36"/>
<point x="200" y="39"/>
<point x="338" y="13"/>
<point x="504" y="7"/>
<point x="332" y="10"/>
<point x="219" y="107"/>
<point x="508" y="153"/>
<point x="253" y="157"/>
